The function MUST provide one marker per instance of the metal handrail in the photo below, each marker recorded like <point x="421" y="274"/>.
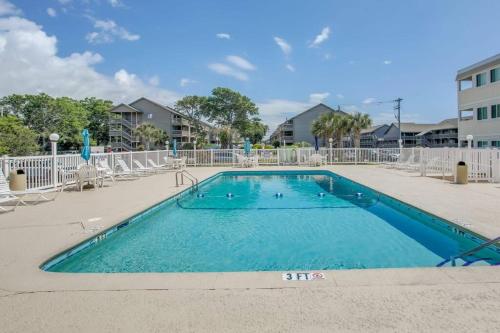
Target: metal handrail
<point x="193" y="179"/>
<point x="469" y="252"/>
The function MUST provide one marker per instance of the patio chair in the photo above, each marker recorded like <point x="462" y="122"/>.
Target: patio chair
<point x="169" y="162"/>
<point x="88" y="174"/>
<point x="241" y="161"/>
<point x="20" y="197"/>
<point x="317" y="160"/>
<point x="142" y="168"/>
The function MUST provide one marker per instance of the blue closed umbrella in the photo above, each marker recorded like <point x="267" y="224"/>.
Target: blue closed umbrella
<point x="85" y="154"/>
<point x="174" y="149"/>
<point x="247" y="147"/>
<point x="316" y="144"/>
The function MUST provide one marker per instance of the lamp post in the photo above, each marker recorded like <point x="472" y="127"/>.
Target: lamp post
<point x="469" y="138"/>
<point x="194" y="148"/>
<point x="330" y="141"/>
<point x="54" y="137"/>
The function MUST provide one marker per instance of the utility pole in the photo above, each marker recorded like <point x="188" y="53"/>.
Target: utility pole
<point x="397" y="108"/>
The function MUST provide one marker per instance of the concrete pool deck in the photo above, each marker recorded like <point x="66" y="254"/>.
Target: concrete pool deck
<point x="420" y="299"/>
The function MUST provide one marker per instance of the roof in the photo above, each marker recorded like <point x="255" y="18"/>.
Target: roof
<point x="445" y="124"/>
<point x="413" y="127"/>
<point x="310" y="109"/>
<point x="165" y="107"/>
<point x="372" y="128"/>
<point x="126" y="106"/>
<point x="478" y="66"/>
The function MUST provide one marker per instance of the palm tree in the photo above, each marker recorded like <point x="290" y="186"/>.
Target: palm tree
<point x="340" y="125"/>
<point x="319" y="128"/>
<point x="149" y="133"/>
<point x="357" y="123"/>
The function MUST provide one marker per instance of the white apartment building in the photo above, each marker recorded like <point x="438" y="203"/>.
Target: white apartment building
<point x="478" y="88"/>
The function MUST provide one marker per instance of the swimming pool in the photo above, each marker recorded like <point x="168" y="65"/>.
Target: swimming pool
<point x="274" y="221"/>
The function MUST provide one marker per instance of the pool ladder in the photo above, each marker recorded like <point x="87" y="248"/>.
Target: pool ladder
<point x="193" y="179"/>
<point x="468" y="252"/>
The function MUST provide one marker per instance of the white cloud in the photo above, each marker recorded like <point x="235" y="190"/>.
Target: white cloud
<point x="30" y="64"/>
<point x="339" y="96"/>
<point x="226" y="70"/>
<point x="283" y="44"/>
<point x="317" y="98"/>
<point x="154" y="80"/>
<point x="290" y="68"/>
<point x="369" y="100"/>
<point x="223" y="35"/>
<point x="51" y="12"/>
<point x="323" y="36"/>
<point x="241" y="62"/>
<point x="108" y="30"/>
<point x="185" y="82"/>
<point x="115" y="3"/>
<point x="387" y="62"/>
<point x="7" y="8"/>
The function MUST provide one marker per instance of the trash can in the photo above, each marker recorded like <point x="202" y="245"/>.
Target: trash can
<point x="17" y="180"/>
<point x="461" y="173"/>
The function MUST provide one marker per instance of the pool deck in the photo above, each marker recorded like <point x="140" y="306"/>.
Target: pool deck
<point x="419" y="299"/>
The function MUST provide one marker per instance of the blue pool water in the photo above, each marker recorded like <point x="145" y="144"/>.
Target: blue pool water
<point x="321" y="221"/>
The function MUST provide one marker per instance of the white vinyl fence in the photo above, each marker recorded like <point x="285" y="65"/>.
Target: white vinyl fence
<point x="484" y="164"/>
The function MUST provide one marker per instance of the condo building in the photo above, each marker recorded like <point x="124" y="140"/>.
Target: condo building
<point x="298" y="128"/>
<point x="127" y="117"/>
<point x="478" y="90"/>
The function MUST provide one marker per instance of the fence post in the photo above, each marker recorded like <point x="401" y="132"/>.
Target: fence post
<point x="278" y="155"/>
<point x="5" y="165"/>
<point x="211" y="157"/>
<point x="130" y="159"/>
<point x="422" y="165"/>
<point x="112" y="161"/>
<point x="194" y="152"/>
<point x="377" y="150"/>
<point x="355" y="156"/>
<point x="53" y="145"/>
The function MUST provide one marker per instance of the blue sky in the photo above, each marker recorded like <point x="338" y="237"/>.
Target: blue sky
<point x="352" y="53"/>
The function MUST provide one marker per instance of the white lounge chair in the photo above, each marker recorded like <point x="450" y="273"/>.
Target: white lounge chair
<point x="21" y="197"/>
<point x="142" y="168"/>
<point x="125" y="169"/>
<point x="104" y="170"/>
<point x="159" y="168"/>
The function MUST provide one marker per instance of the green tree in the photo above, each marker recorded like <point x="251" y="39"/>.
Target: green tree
<point x="357" y="122"/>
<point x="45" y="115"/>
<point x="98" y="115"/>
<point x="192" y="108"/>
<point x="255" y="130"/>
<point x="228" y="108"/>
<point x="15" y="138"/>
<point x="150" y="135"/>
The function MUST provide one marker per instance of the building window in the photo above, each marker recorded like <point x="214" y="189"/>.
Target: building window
<point x="495" y="144"/>
<point x="482" y="113"/>
<point x="480" y="79"/>
<point x="495" y="74"/>
<point x="150" y="116"/>
<point x="495" y="111"/>
<point x="482" y="144"/>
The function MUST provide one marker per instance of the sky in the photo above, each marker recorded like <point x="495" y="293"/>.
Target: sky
<point x="286" y="55"/>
